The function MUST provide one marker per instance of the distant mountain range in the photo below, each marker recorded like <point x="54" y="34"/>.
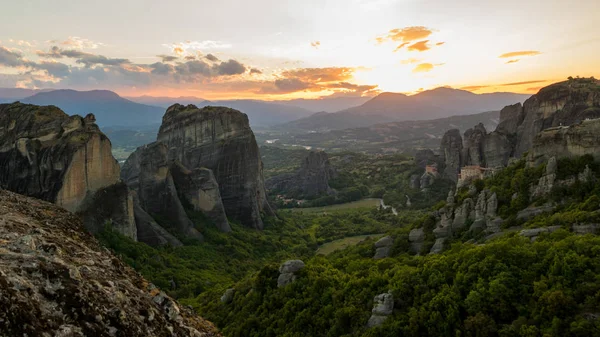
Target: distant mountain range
<point x="388" y="107"/>
<point x="111" y="109"/>
<point x="260" y="113"/>
<point x="9" y="95"/>
<point x="299" y="114"/>
<point x="108" y="107"/>
<point x="326" y="104"/>
<point x="405" y="136"/>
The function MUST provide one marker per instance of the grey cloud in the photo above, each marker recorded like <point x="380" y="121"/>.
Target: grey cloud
<point x="231" y="67"/>
<point x="54" y="68"/>
<point x="167" y="58"/>
<point x="10" y="58"/>
<point x="291" y="84"/>
<point x="212" y="58"/>
<point x="195" y="67"/>
<point x="84" y="58"/>
<point x="90" y="59"/>
<point x="160" y="68"/>
<point x="255" y="71"/>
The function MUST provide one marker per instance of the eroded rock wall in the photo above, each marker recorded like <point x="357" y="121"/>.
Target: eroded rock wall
<point x="46" y="154"/>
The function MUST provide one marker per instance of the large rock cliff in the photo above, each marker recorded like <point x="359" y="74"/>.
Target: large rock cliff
<point x="560" y="104"/>
<point x="57" y="280"/>
<point x="451" y="150"/>
<point x="67" y="160"/>
<point x="551" y="110"/>
<point x="148" y="172"/>
<point x="220" y="139"/>
<point x="566" y="141"/>
<point x="311" y="180"/>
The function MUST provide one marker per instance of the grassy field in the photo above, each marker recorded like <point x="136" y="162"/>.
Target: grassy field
<point x="332" y="246"/>
<point x="365" y="203"/>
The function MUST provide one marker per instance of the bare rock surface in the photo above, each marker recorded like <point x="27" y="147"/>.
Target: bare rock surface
<point x="287" y="272"/>
<point x="220" y="139"/>
<point x="57" y="280"/>
<point x="311" y="180"/>
<point x="382" y="308"/>
<point x="66" y="160"/>
<point x="383" y="247"/>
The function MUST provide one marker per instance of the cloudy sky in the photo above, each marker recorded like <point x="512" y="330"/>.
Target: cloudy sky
<point x="279" y="49"/>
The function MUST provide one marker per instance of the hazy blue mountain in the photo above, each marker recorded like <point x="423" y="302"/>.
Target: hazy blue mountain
<point x="9" y="95"/>
<point x="260" y="113"/>
<point x="108" y="107"/>
<point x="165" y="102"/>
<point x="327" y="104"/>
<point x="387" y="107"/>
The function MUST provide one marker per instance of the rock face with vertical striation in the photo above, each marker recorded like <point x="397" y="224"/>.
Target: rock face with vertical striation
<point x="199" y="189"/>
<point x="67" y="160"/>
<point x="473" y="144"/>
<point x="451" y="150"/>
<point x="57" y="280"/>
<point x="311" y="180"/>
<point x="221" y="140"/>
<point x="560" y="104"/>
<point x="560" y="120"/>
<point x="148" y="173"/>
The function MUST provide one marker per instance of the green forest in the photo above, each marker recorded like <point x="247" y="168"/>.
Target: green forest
<point x="505" y="286"/>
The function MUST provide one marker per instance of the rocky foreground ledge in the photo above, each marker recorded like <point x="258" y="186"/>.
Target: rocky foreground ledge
<point x="57" y="280"/>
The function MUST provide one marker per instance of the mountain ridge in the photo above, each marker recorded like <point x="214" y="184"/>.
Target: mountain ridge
<point x="388" y="107"/>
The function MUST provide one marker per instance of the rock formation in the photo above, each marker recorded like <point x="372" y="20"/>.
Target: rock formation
<point x="57" y="280"/>
<point x="575" y="140"/>
<point x="416" y="237"/>
<point x="425" y="157"/>
<point x="415" y="182"/>
<point x="311" y="180"/>
<point x="480" y="211"/>
<point x="552" y="122"/>
<point x="560" y="104"/>
<point x="200" y="190"/>
<point x="383" y="247"/>
<point x="287" y="272"/>
<point x="382" y="308"/>
<point x="511" y="117"/>
<point x="220" y="139"/>
<point x="228" y="296"/>
<point x="67" y="160"/>
<point x="473" y="143"/>
<point x="533" y="233"/>
<point x="156" y="189"/>
<point x="451" y="150"/>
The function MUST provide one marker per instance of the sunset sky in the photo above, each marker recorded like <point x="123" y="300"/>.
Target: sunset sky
<point x="280" y="49"/>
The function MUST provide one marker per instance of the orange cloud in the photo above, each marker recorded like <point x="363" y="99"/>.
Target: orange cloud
<point x="426" y="67"/>
<point x="410" y="61"/>
<point x="440" y="43"/>
<point x="423" y="68"/>
<point x="521" y="83"/>
<point x="315" y="44"/>
<point x="474" y="87"/>
<point x="333" y="74"/>
<point x="405" y="35"/>
<point x="314" y="80"/>
<point x="401" y="46"/>
<point x="178" y="50"/>
<point x="512" y="61"/>
<point x="519" y="53"/>
<point x="419" y="46"/>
